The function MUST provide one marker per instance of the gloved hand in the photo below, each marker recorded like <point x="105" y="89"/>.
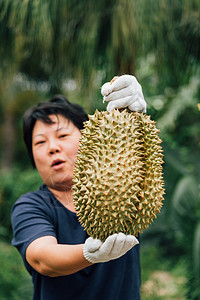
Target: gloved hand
<point x="124" y="91"/>
<point x="114" y="246"/>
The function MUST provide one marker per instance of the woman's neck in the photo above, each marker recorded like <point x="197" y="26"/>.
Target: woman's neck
<point x="65" y="197"/>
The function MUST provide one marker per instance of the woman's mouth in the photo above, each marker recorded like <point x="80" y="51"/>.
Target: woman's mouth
<point x="57" y="164"/>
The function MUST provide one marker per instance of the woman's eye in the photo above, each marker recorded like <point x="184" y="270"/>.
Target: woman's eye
<point x="63" y="135"/>
<point x="39" y="142"/>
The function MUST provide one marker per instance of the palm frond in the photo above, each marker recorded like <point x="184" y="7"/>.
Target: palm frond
<point x="185" y="197"/>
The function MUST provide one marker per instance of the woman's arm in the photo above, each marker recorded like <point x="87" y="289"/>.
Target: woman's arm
<point x="49" y="258"/>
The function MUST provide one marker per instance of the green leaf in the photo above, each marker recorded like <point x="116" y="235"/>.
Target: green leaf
<point x="185" y="196"/>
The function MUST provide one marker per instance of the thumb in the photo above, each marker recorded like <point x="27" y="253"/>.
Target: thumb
<point x="92" y="245"/>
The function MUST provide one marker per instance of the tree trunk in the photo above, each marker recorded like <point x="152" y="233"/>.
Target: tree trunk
<point x="8" y="141"/>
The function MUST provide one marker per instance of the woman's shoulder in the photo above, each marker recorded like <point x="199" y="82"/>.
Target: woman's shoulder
<point x="42" y="196"/>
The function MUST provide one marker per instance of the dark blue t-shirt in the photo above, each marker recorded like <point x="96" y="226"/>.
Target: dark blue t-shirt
<point x="38" y="214"/>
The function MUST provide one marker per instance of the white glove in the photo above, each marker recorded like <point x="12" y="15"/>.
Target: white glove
<point x="114" y="246"/>
<point x="124" y="91"/>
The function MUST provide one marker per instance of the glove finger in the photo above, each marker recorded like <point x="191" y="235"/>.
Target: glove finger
<point x="122" y="82"/>
<point x="106" y="89"/>
<point x="127" y="85"/>
<point x="119" y="83"/>
<point x="118" y="246"/>
<point x="120" y="103"/>
<point x="125" y="92"/>
<point x="130" y="242"/>
<point x="107" y="246"/>
<point x="93" y="245"/>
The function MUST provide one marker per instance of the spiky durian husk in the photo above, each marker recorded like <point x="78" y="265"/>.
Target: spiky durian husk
<point x="118" y="184"/>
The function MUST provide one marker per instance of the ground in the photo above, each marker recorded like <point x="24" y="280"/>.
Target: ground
<point x="164" y="285"/>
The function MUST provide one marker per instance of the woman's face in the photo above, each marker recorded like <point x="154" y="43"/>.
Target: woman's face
<point x="54" y="149"/>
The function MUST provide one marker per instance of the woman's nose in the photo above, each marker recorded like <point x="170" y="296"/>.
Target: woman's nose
<point x="54" y="147"/>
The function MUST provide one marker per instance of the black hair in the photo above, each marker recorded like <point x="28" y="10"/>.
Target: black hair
<point x="58" y="105"/>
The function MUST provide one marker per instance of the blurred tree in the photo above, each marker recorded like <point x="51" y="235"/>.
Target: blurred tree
<point x="80" y="37"/>
<point x="55" y="40"/>
<point x="84" y="37"/>
<point x="171" y="30"/>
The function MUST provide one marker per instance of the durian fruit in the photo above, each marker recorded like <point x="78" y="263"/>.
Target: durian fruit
<point x="118" y="183"/>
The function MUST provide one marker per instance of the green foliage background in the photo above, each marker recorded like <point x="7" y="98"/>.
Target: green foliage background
<point x="73" y="47"/>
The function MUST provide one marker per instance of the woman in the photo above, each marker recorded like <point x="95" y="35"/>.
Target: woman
<point x="64" y="262"/>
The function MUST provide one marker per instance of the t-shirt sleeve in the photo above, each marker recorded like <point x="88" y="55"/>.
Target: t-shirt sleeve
<point x="31" y="218"/>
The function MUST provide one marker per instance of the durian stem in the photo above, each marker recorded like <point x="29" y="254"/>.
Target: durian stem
<point x="124" y="108"/>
